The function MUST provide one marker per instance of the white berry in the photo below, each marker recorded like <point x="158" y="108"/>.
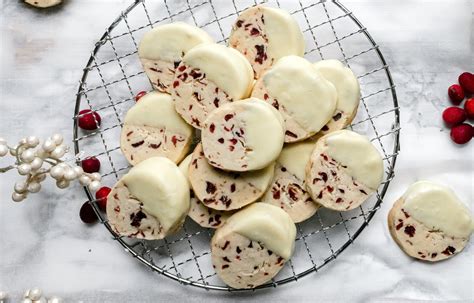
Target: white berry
<point x="57" y="172"/>
<point x="54" y="299"/>
<point x="94" y="186"/>
<point x="84" y="180"/>
<point x="78" y="170"/>
<point x="18" y="197"/>
<point x="22" y="141"/>
<point x="27" y="300"/>
<point x="20" y="187"/>
<point x="32" y="141"/>
<point x="28" y="155"/>
<point x="70" y="174"/>
<point x="96" y="176"/>
<point x="34" y="187"/>
<point x="36" y="163"/>
<point x="3" y="141"/>
<point x="48" y="145"/>
<point x="34" y="294"/>
<point x="3" y="150"/>
<point x="24" y="169"/>
<point x="58" y="152"/>
<point x="62" y="183"/>
<point x="13" y="152"/>
<point x="57" y="139"/>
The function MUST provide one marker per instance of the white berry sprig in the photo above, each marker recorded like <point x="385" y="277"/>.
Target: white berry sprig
<point x="36" y="161"/>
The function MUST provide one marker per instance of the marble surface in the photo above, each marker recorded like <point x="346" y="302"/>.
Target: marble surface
<point x="43" y="243"/>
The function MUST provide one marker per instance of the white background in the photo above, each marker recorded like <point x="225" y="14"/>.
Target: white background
<point x="43" y="242"/>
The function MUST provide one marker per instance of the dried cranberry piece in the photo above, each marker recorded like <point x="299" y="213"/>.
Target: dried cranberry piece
<point x="254" y="31"/>
<point x="210" y="187"/>
<point x="137" y="218"/>
<point x="410" y="230"/>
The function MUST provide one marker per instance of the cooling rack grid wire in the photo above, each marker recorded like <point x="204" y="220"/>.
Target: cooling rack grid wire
<point x="113" y="75"/>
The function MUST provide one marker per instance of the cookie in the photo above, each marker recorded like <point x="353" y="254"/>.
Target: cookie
<point x="209" y="76"/>
<point x="304" y="98"/>
<point x="150" y="202"/>
<point x="162" y="49"/>
<point x="430" y="223"/>
<point x="343" y="171"/>
<point x="288" y="188"/>
<point x="199" y="213"/>
<point x="43" y="3"/>
<point x="242" y="136"/>
<point x="348" y="93"/>
<point x="153" y="128"/>
<point x="264" y="35"/>
<point x="253" y="245"/>
<point x="224" y="190"/>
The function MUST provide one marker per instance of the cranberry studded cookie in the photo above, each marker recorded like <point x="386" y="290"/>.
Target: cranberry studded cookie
<point x="162" y="49"/>
<point x="150" y="202"/>
<point x="344" y="169"/>
<point x="209" y="76"/>
<point x="199" y="213"/>
<point x="153" y="128"/>
<point x="348" y="93"/>
<point x="253" y="245"/>
<point x="225" y="190"/>
<point x="264" y="35"/>
<point x="243" y="135"/>
<point x="298" y="91"/>
<point x="288" y="188"/>
<point x="430" y="223"/>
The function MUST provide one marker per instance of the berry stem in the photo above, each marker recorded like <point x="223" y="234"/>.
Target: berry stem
<point x="7" y="168"/>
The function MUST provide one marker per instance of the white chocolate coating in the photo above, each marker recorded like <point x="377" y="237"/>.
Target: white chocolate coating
<point x="267" y="224"/>
<point x="170" y="42"/>
<point x="255" y="144"/>
<point x="437" y="207"/>
<point x="345" y="82"/>
<point x="283" y="32"/>
<point x="224" y="66"/>
<point x="156" y="110"/>
<point x="164" y="191"/>
<point x="184" y="166"/>
<point x="355" y="151"/>
<point x="306" y="100"/>
<point x="294" y="157"/>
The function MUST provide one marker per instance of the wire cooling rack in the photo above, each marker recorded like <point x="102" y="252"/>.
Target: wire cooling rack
<point x="113" y="76"/>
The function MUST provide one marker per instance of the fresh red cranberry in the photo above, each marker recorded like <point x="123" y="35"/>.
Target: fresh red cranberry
<point x="88" y="119"/>
<point x="139" y="95"/>
<point x="456" y="93"/>
<point x="454" y="115"/>
<point x="101" y="197"/>
<point x="90" y="165"/>
<point x="461" y="134"/>
<point x="87" y="214"/>
<point x="469" y="108"/>
<point x="467" y="82"/>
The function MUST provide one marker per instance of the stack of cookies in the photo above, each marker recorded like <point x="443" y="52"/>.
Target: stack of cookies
<point x="272" y="149"/>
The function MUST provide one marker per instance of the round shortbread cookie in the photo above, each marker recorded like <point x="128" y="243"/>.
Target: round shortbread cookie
<point x="199" y="213"/>
<point x="288" y="188"/>
<point x="304" y="98"/>
<point x="151" y="201"/>
<point x="224" y="190"/>
<point x="43" y="3"/>
<point x="244" y="135"/>
<point x="162" y="49"/>
<point x="253" y="245"/>
<point x="348" y="93"/>
<point x="344" y="169"/>
<point x="429" y="222"/>
<point x="264" y="35"/>
<point x="153" y="128"/>
<point x="209" y="76"/>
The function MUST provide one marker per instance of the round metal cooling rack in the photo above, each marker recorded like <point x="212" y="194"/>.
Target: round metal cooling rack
<point x="113" y="75"/>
